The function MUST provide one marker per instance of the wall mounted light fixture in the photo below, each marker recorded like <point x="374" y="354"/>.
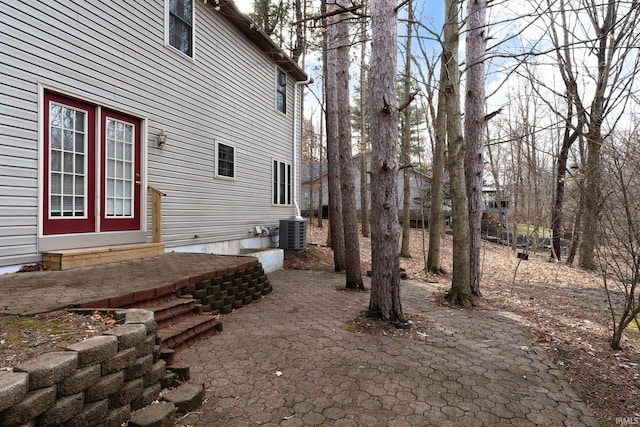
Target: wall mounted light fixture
<point x="161" y="138"/>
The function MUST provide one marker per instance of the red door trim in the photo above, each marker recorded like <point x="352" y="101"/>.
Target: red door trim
<point x="62" y="225"/>
<point x="114" y="223"/>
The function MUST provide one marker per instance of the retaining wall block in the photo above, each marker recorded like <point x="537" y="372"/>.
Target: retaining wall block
<point x="130" y="391"/>
<point x="62" y="410"/>
<point x="95" y="350"/>
<point x="148" y="396"/>
<point x="145" y="317"/>
<point x="161" y="414"/>
<point x="49" y="368"/>
<point x="129" y="335"/>
<point x="121" y="360"/>
<point x="108" y="385"/>
<point x="156" y="373"/>
<point x="81" y="380"/>
<point x="92" y="414"/>
<point x="116" y="417"/>
<point x="147" y="346"/>
<point x="36" y="403"/>
<point x="187" y="397"/>
<point x="138" y="368"/>
<point x="14" y="387"/>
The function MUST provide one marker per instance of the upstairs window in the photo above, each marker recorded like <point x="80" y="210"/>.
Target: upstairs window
<point x="181" y="25"/>
<point x="281" y="91"/>
<point x="281" y="183"/>
<point x="225" y="161"/>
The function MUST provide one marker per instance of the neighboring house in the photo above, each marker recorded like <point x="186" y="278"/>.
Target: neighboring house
<point x="88" y="92"/>
<point x="420" y="184"/>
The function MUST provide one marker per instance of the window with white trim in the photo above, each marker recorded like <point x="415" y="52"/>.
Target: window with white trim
<point x="281" y="183"/>
<point x="180" y="22"/>
<point x="225" y="160"/>
<point x="281" y="91"/>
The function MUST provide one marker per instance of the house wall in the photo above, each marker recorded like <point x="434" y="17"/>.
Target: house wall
<point x="113" y="54"/>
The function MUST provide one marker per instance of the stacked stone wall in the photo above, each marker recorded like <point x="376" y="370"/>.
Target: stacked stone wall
<point x="96" y="382"/>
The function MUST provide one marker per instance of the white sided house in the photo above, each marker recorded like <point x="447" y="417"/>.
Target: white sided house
<point x="105" y="103"/>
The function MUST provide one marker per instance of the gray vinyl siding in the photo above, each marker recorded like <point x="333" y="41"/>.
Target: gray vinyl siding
<point x="113" y="54"/>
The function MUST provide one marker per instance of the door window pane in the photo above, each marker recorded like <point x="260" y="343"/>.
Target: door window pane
<point x="119" y="173"/>
<point x="67" y="148"/>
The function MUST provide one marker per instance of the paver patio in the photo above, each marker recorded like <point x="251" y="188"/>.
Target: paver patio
<point x="290" y="361"/>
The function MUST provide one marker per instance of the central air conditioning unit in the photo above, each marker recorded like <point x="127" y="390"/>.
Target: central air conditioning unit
<point x="293" y="234"/>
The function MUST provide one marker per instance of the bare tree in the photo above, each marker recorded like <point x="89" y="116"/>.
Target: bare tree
<point x="385" y="260"/>
<point x="619" y="234"/>
<point x="474" y="131"/>
<point x="607" y="33"/>
<point x="460" y="292"/>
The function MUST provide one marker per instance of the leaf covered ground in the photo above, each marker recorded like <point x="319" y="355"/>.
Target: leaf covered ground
<point x="565" y="307"/>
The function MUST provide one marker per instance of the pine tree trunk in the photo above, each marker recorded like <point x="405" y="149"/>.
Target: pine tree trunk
<point x="385" y="281"/>
<point x="474" y="131"/>
<point x="336" y="228"/>
<point x="364" y="190"/>
<point x="460" y="292"/>
<point x="347" y="185"/>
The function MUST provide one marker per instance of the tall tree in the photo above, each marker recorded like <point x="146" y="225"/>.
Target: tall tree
<point x="474" y="131"/>
<point x="340" y="31"/>
<point x="385" y="260"/>
<point x="460" y="292"/>
<point x="336" y="227"/>
<point x="405" y="151"/>
<point x="364" y="187"/>
<point x="436" y="219"/>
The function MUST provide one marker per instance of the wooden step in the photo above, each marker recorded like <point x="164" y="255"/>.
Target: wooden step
<point x="188" y="331"/>
<point x="75" y="258"/>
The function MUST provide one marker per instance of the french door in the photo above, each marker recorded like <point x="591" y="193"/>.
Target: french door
<point x="92" y="168"/>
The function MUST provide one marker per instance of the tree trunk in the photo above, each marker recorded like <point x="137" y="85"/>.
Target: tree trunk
<point x="474" y="131"/>
<point x="336" y="228"/>
<point x="436" y="220"/>
<point x="385" y="261"/>
<point x="320" y="173"/>
<point x="460" y="292"/>
<point x="592" y="202"/>
<point x="406" y="140"/>
<point x="364" y="187"/>
<point x="340" y="30"/>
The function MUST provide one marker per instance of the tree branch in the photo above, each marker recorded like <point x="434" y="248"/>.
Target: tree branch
<point x="328" y="14"/>
<point x="408" y="101"/>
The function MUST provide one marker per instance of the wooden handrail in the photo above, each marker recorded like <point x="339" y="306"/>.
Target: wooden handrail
<point x="156" y="214"/>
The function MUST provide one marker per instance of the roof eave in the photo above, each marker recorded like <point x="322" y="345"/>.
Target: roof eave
<point x="229" y="11"/>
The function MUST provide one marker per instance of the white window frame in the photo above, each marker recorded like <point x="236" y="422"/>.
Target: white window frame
<point x="167" y="42"/>
<point x="280" y="71"/>
<point x="277" y="185"/>
<point x="216" y="156"/>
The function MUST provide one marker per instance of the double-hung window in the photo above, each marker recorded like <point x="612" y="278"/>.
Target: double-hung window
<point x="281" y="91"/>
<point x="225" y="160"/>
<point x="181" y="25"/>
<point x="281" y="183"/>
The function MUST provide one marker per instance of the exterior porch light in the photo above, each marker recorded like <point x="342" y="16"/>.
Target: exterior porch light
<point x="161" y="138"/>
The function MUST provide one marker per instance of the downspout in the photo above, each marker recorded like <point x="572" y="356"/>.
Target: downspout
<point x="296" y="137"/>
